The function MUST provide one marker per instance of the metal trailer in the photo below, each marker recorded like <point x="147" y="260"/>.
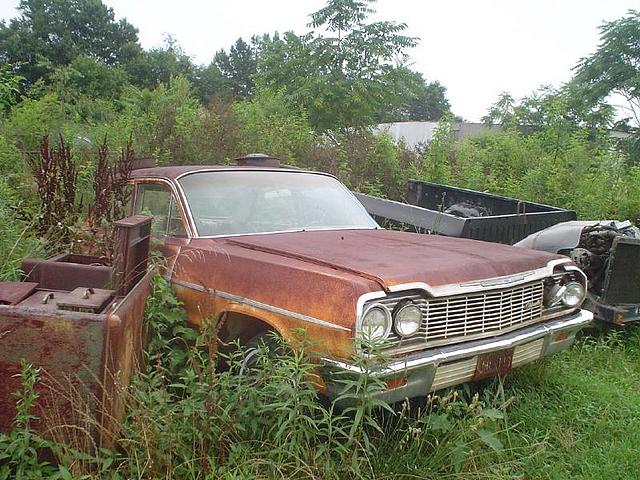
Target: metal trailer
<point x="459" y="212"/>
<point x="80" y="321"/>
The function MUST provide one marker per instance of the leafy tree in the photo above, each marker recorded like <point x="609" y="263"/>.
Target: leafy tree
<point x="158" y="65"/>
<point x="91" y="77"/>
<point x="615" y="66"/>
<point x="502" y="112"/>
<point x="345" y="76"/>
<point x="239" y="66"/>
<point x="418" y="99"/>
<point x="9" y="88"/>
<point x="558" y="109"/>
<point x="208" y="83"/>
<point x="50" y="33"/>
<point x="271" y="122"/>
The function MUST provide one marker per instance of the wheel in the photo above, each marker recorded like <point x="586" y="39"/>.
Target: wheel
<point x="267" y="339"/>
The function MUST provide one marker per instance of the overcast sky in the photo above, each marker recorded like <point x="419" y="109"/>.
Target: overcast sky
<point x="476" y="48"/>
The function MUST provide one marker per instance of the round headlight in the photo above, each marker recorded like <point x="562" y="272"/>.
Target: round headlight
<point x="573" y="294"/>
<point x="554" y="295"/>
<point x="376" y="322"/>
<point x="407" y="320"/>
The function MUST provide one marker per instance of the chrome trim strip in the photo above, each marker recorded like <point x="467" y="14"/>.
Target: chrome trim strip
<point x="260" y="305"/>
<point x="249" y="169"/>
<point x="470" y="349"/>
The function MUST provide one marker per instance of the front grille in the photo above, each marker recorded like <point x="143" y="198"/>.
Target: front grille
<point x="469" y="316"/>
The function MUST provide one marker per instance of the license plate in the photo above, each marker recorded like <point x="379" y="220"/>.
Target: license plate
<point x="493" y="364"/>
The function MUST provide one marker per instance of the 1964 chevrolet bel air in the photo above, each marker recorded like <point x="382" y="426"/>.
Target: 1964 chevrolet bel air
<point x="266" y="248"/>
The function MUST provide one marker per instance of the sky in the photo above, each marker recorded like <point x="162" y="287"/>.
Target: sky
<point x="475" y="48"/>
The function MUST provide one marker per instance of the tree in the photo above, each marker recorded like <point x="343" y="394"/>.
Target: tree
<point x="52" y="33"/>
<point x="9" y="88"/>
<point x="239" y="66"/>
<point x="89" y="76"/>
<point x="418" y="100"/>
<point x="614" y="68"/>
<point x="158" y="66"/>
<point x="345" y="76"/>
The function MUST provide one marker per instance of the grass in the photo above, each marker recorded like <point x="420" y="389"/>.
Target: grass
<point x="577" y="415"/>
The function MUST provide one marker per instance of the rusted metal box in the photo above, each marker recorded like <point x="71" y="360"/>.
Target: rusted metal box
<point x="83" y="331"/>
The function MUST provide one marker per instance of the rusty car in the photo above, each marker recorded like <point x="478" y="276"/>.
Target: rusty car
<point x="260" y="247"/>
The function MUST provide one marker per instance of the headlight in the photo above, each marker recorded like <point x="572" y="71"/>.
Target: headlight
<point x="571" y="295"/>
<point x="376" y="322"/>
<point x="407" y="319"/>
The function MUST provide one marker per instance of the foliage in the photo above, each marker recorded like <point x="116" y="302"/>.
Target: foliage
<point x="17" y="239"/>
<point x="35" y="117"/>
<point x="419" y="100"/>
<point x="328" y="74"/>
<point x="109" y="186"/>
<point x="240" y="65"/>
<point x="614" y="68"/>
<point x="21" y="448"/>
<point x="271" y="122"/>
<point x="577" y="414"/>
<point x="88" y="76"/>
<point x="55" y="174"/>
<point x="50" y="33"/>
<point x="9" y="88"/>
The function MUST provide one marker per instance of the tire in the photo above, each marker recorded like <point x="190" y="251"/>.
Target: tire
<point x="268" y="339"/>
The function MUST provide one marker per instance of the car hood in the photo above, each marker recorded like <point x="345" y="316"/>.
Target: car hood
<point x="392" y="258"/>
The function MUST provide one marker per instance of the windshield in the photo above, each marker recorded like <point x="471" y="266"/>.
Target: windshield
<point x="245" y="202"/>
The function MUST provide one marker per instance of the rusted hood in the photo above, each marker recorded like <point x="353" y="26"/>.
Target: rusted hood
<point x="391" y="257"/>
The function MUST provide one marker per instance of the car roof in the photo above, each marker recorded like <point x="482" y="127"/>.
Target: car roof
<point x="174" y="172"/>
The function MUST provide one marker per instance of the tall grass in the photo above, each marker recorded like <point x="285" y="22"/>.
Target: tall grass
<point x="188" y="419"/>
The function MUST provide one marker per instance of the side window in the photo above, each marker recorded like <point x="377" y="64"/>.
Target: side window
<point x="176" y="223"/>
<point x="156" y="201"/>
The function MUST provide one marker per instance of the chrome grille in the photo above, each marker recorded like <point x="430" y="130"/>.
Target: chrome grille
<point x="469" y="316"/>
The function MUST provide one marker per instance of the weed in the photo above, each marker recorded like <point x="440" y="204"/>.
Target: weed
<point x="22" y="448"/>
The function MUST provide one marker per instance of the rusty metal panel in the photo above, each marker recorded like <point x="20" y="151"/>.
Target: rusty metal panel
<point x="123" y="346"/>
<point x="66" y="345"/>
<point x="396" y="257"/>
<point x="68" y="271"/>
<point x="133" y="235"/>
<point x="85" y="358"/>
<point x="14" y="292"/>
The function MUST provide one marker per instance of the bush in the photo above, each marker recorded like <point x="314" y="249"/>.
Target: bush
<point x="270" y="123"/>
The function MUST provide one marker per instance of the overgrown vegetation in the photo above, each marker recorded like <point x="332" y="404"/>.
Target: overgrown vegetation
<point x="72" y="114"/>
<point x="188" y="419"/>
<point x="574" y="415"/>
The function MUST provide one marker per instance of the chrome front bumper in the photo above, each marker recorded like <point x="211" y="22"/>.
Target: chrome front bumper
<point x="423" y="372"/>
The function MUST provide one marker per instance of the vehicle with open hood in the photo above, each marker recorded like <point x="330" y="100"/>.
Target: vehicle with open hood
<point x="263" y="248"/>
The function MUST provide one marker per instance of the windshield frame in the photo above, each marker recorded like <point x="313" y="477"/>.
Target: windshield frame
<point x="187" y="206"/>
